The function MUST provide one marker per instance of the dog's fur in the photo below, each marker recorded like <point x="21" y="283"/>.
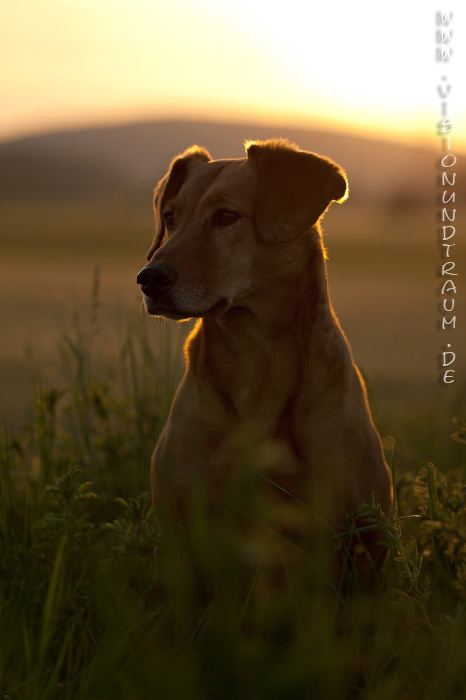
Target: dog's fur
<point x="238" y="245"/>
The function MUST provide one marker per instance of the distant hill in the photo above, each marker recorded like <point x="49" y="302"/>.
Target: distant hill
<point x="133" y="157"/>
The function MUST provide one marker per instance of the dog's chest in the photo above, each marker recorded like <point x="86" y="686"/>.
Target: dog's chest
<point x="262" y="384"/>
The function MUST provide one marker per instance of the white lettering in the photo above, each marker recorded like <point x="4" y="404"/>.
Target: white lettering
<point x="450" y="378"/>
<point x="449" y="155"/>
<point x="451" y="288"/>
<point x="445" y="305"/>
<point x="445" y="364"/>
<point x="445" y="214"/>
<point x="450" y="266"/>
<point x="448" y="246"/>
<point x="445" y="179"/>
<point x="446" y="122"/>
<point x="450" y="199"/>
<point x="447" y="238"/>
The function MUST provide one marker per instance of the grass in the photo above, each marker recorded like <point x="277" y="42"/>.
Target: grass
<point x="84" y="614"/>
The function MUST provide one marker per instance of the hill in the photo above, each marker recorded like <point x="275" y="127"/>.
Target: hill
<point x="132" y="157"/>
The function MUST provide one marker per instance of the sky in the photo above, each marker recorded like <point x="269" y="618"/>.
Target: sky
<point x="355" y="66"/>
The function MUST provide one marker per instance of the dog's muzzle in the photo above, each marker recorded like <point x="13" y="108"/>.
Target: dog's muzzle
<point x="156" y="280"/>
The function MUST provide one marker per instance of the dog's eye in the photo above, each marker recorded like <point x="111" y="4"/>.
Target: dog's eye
<point x="224" y="217"/>
<point x="168" y="218"/>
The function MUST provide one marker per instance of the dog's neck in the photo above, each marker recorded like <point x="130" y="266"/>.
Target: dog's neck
<point x="293" y="293"/>
<point x="276" y="332"/>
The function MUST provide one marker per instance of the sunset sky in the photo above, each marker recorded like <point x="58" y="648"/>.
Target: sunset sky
<point x="358" y="66"/>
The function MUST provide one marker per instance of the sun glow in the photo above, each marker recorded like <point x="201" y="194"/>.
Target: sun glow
<point x="368" y="69"/>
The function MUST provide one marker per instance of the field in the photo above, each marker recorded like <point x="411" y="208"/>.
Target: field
<point x="86" y="383"/>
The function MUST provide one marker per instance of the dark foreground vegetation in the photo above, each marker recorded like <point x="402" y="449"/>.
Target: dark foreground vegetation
<point x="84" y="615"/>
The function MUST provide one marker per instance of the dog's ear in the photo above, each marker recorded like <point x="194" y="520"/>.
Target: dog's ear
<point x="159" y="224"/>
<point x="170" y="185"/>
<point x="294" y="188"/>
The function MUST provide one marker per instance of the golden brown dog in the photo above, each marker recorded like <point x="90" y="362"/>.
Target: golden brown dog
<point x="238" y="245"/>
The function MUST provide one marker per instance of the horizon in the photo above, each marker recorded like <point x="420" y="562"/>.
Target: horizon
<point x="216" y="120"/>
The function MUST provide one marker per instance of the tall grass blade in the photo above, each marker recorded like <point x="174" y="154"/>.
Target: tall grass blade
<point x="434" y="510"/>
<point x="51" y="600"/>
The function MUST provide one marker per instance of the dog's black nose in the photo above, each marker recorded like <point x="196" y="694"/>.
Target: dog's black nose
<point x="156" y="279"/>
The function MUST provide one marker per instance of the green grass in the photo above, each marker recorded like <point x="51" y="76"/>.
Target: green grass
<point x="84" y="614"/>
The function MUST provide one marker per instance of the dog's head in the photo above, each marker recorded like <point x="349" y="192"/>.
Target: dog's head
<point x="219" y="223"/>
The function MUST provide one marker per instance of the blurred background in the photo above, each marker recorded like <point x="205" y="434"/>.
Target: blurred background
<point x="99" y="95"/>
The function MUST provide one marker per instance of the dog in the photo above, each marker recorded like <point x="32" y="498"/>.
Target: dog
<point x="238" y="245"/>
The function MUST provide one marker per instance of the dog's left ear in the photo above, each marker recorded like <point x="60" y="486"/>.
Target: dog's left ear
<point x="170" y="185"/>
<point x="294" y="188"/>
<point x="159" y="224"/>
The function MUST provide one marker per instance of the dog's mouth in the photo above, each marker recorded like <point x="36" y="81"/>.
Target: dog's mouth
<point x="175" y="314"/>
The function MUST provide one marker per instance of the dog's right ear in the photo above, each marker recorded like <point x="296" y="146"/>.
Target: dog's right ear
<point x="294" y="188"/>
<point x="170" y="185"/>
